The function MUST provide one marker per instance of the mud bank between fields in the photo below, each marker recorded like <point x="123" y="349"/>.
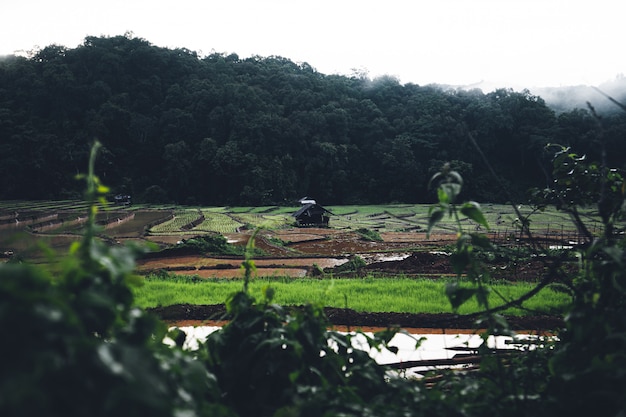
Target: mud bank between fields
<point x="349" y="317"/>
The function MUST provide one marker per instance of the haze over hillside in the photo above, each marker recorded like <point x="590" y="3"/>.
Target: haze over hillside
<point x="568" y="97"/>
<point x="563" y="99"/>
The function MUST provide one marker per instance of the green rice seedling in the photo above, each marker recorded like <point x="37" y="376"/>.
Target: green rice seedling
<point x="403" y="295"/>
<point x="216" y="209"/>
<point x="343" y="210"/>
<point x="218" y="222"/>
<point x="275" y="221"/>
<point x="383" y="218"/>
<point x="264" y="221"/>
<point x="169" y="292"/>
<point x="400" y="212"/>
<point x="264" y="209"/>
<point x="238" y="210"/>
<point x="547" y="301"/>
<point x="174" y="225"/>
<point x="285" y="210"/>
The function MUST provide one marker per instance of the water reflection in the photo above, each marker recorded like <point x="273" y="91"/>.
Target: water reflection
<point x="432" y="346"/>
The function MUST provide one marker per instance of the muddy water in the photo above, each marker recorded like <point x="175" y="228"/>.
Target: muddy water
<point x="371" y="258"/>
<point x="237" y="273"/>
<point x="295" y="257"/>
<point x="230" y="267"/>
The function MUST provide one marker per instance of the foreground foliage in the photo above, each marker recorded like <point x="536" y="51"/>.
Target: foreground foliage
<point x="74" y="344"/>
<point x="587" y="367"/>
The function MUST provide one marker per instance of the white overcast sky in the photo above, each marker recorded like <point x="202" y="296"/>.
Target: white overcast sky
<point x="510" y="43"/>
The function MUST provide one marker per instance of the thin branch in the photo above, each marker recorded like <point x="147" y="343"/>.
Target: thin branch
<point x="611" y="99"/>
<point x="555" y="273"/>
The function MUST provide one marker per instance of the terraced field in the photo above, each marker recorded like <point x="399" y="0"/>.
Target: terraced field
<point x="402" y="226"/>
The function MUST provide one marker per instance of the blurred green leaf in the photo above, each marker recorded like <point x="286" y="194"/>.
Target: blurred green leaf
<point x="451" y="190"/>
<point x="435" y="216"/>
<point x="471" y="210"/>
<point x="458" y="295"/>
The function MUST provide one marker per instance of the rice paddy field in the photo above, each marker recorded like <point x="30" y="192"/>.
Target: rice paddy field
<point x="15" y="215"/>
<point x="290" y="256"/>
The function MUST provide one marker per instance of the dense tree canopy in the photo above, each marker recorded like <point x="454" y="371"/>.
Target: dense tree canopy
<point x="263" y="130"/>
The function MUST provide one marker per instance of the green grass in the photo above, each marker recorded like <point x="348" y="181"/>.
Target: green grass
<point x="401" y="295"/>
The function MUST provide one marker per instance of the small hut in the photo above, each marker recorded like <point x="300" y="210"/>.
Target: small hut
<point x="122" y="199"/>
<point x="311" y="214"/>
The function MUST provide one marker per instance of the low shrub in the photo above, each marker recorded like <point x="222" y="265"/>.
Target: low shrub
<point x="368" y="234"/>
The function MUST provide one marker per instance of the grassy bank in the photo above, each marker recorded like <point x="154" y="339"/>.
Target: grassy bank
<point x="401" y="295"/>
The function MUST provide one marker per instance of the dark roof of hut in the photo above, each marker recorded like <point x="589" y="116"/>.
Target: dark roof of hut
<point x="309" y="206"/>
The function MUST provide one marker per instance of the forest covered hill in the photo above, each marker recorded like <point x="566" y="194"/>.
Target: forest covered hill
<point x="220" y="130"/>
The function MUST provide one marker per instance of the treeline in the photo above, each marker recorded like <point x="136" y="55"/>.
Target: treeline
<point x="221" y="130"/>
